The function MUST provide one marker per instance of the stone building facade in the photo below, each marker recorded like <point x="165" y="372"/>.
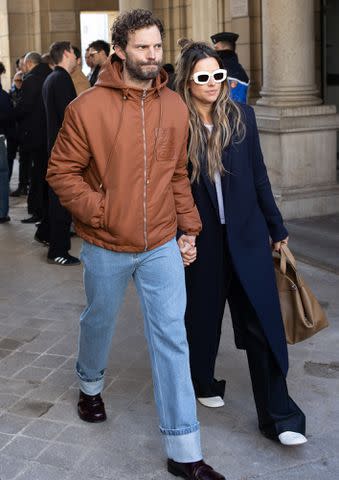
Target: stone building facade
<point x="282" y="46"/>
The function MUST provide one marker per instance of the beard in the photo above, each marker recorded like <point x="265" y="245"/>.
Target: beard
<point x="136" y="71"/>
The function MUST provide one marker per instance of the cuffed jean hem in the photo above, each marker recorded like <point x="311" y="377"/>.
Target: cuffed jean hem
<point x="91" y="388"/>
<point x="183" y="447"/>
<point x="88" y="386"/>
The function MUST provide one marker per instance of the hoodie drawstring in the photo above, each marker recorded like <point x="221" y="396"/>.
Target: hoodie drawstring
<point x="124" y="98"/>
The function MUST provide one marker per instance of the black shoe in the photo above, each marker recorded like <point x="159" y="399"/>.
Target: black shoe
<point x="91" y="408"/>
<point x="64" y="261"/>
<point x="41" y="240"/>
<point x="193" y="470"/>
<point x="19" y="192"/>
<point x="5" y="219"/>
<point x="32" y="219"/>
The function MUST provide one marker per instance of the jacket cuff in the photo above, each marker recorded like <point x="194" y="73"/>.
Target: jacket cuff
<point x="278" y="233"/>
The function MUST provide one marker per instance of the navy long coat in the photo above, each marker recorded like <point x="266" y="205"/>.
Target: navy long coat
<point x="251" y="217"/>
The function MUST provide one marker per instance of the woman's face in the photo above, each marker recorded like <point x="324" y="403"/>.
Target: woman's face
<point x="207" y="93"/>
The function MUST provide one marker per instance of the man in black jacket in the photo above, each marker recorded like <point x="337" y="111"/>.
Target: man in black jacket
<point x="31" y="117"/>
<point x="58" y="91"/>
<point x="224" y="44"/>
<point x="98" y="52"/>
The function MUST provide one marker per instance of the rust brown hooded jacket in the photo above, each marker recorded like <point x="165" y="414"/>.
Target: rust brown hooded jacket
<point x="119" y="164"/>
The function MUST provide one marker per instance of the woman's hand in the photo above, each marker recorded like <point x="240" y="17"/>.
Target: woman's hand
<point x="277" y="245"/>
<point x="187" y="249"/>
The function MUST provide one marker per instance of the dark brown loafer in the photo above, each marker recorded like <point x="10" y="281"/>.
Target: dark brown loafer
<point x="91" y="408"/>
<point x="193" y="471"/>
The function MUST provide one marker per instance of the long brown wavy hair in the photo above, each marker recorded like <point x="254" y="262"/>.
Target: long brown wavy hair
<point x="226" y="115"/>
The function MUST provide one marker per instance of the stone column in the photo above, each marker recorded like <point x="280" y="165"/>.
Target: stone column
<point x="297" y="133"/>
<point x="130" y="4"/>
<point x="204" y="19"/>
<point x="288" y="53"/>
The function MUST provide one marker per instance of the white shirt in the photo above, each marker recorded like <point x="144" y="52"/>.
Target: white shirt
<point x="217" y="180"/>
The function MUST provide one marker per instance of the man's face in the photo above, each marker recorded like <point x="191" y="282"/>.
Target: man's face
<point x="143" y="53"/>
<point x="72" y="59"/>
<point x="88" y="59"/>
<point x="98" y="57"/>
<point x="28" y="65"/>
<point x="223" y="46"/>
<point x="18" y="80"/>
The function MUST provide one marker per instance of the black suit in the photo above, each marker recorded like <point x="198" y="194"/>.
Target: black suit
<point x="32" y="135"/>
<point x="58" y="92"/>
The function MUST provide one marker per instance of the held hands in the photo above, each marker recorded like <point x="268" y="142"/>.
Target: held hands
<point x="276" y="245"/>
<point x="187" y="249"/>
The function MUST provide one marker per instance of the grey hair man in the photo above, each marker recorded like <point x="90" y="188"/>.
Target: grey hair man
<point x="31" y="118"/>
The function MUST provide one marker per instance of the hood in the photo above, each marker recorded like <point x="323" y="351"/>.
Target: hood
<point x="110" y="76"/>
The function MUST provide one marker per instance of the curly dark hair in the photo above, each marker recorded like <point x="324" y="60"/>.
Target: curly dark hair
<point x="129" y="22"/>
<point x="2" y="68"/>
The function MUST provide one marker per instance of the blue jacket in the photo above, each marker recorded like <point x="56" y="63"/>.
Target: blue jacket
<point x="251" y="217"/>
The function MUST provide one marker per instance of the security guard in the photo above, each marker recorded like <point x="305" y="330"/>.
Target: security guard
<point x="238" y="80"/>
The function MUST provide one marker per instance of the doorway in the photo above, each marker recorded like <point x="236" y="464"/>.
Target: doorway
<point x="95" y="26"/>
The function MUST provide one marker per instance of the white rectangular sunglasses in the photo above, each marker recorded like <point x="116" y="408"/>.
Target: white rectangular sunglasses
<point x="201" y="78"/>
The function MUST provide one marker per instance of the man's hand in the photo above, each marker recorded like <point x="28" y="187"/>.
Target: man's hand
<point x="187" y="249"/>
<point x="277" y="245"/>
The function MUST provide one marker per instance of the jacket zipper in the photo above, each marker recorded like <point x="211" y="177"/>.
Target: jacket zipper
<point x="145" y="166"/>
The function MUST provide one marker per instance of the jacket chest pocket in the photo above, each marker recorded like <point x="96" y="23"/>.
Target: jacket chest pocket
<point x="166" y="144"/>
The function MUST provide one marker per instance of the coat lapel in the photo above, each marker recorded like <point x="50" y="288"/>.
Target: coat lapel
<point x="225" y="179"/>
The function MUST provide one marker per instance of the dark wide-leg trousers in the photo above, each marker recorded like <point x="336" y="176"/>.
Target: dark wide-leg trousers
<point x="277" y="412"/>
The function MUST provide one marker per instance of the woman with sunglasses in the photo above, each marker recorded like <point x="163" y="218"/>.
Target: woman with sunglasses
<point x="234" y="254"/>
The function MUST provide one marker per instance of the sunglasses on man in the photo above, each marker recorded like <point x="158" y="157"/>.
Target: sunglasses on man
<point x="201" y="78"/>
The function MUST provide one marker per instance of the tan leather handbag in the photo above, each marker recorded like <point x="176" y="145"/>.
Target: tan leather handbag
<point x="301" y="312"/>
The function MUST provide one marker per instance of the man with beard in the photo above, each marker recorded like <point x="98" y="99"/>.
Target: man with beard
<point x="127" y="199"/>
<point x="32" y="127"/>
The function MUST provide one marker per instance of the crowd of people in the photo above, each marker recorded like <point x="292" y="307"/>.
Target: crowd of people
<point x="31" y="116"/>
<point x="155" y="181"/>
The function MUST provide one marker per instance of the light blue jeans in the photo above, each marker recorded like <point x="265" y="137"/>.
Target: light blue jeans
<point x="159" y="278"/>
<point x="4" y="183"/>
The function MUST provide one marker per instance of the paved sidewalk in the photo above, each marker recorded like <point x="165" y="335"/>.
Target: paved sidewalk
<point x="41" y="437"/>
<point x="316" y="241"/>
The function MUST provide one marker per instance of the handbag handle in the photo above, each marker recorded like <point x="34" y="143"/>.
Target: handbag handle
<point x="286" y="255"/>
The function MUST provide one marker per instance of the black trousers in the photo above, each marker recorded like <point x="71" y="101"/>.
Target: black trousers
<point x="25" y="169"/>
<point x="36" y="200"/>
<point x="277" y="412"/>
<point x="55" y="226"/>
<point x="25" y="163"/>
<point x="12" y="148"/>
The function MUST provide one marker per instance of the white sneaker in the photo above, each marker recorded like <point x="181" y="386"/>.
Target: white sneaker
<point x="211" y="402"/>
<point x="292" y="438"/>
